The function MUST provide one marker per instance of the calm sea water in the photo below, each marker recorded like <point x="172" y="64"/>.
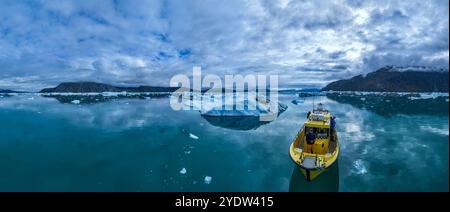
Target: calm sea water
<point x="387" y="144"/>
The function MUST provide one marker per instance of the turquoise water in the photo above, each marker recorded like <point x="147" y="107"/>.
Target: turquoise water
<point x="387" y="144"/>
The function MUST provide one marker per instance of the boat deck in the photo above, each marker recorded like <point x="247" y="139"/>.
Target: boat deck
<point x="309" y="162"/>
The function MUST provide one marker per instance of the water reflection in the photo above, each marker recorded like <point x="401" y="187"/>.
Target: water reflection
<point x="99" y="98"/>
<point x="152" y="143"/>
<point x="239" y="122"/>
<point x="385" y="105"/>
<point x="235" y="123"/>
<point x="325" y="182"/>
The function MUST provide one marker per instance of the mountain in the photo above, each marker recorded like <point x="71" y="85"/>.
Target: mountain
<point x="6" y="91"/>
<point x="396" y="79"/>
<point x="10" y="91"/>
<point x="94" y="87"/>
<point x="296" y="91"/>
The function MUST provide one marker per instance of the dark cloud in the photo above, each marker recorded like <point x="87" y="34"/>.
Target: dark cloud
<point x="147" y="42"/>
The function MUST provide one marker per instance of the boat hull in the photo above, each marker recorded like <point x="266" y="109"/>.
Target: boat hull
<point x="312" y="172"/>
<point x="327" y="181"/>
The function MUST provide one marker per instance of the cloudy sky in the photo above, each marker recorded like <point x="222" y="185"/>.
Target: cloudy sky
<point x="307" y="43"/>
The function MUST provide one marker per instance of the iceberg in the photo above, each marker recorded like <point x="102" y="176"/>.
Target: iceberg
<point x="257" y="106"/>
<point x="76" y="101"/>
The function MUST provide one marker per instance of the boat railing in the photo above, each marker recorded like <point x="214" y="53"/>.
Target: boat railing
<point x="299" y="136"/>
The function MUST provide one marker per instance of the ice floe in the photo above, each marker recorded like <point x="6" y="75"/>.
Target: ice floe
<point x="110" y="94"/>
<point x="76" y="101"/>
<point x="427" y="96"/>
<point x="193" y="136"/>
<point x="208" y="179"/>
<point x="183" y="171"/>
<point x="421" y="95"/>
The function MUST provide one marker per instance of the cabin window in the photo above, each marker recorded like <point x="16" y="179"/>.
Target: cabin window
<point x="320" y="133"/>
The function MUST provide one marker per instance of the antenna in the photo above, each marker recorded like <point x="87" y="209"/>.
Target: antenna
<point x="314" y="96"/>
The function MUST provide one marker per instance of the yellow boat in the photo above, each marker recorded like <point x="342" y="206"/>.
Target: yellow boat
<point x="313" y="159"/>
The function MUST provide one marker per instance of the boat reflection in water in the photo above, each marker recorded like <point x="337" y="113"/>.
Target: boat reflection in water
<point x="327" y="182"/>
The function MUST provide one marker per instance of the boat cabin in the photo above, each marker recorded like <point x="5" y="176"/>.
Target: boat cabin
<point x="318" y="123"/>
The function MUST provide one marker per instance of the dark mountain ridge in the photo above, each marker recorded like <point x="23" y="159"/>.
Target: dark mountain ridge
<point x="395" y="79"/>
<point x="94" y="87"/>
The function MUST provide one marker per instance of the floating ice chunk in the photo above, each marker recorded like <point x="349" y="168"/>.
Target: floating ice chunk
<point x="183" y="171"/>
<point x="208" y="179"/>
<point x="359" y="166"/>
<point x="363" y="99"/>
<point x="110" y="94"/>
<point x="76" y="101"/>
<point x="187" y="152"/>
<point x="31" y="98"/>
<point x="193" y="136"/>
<point x="446" y="100"/>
